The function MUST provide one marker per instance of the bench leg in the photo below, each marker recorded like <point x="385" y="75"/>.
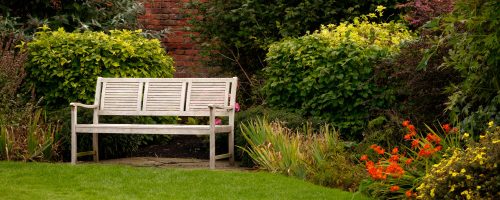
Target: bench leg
<point x="73" y="135"/>
<point x="231" y="147"/>
<point x="95" y="146"/>
<point x="212" y="150"/>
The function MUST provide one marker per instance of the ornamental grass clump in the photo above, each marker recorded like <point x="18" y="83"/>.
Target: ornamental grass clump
<point x="315" y="156"/>
<point x="467" y="174"/>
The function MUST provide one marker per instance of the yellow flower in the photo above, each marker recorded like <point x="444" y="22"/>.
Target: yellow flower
<point x="490" y="124"/>
<point x="462" y="171"/>
<point x="432" y="192"/>
<point x="466" y="135"/>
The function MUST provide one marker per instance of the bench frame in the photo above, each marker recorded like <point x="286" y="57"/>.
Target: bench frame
<point x="209" y="97"/>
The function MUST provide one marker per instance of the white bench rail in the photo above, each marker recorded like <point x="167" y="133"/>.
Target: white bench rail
<point x="208" y="97"/>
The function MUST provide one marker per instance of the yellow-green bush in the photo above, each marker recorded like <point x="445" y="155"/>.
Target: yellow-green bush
<point x="329" y="73"/>
<point x="468" y="174"/>
<point x="64" y="66"/>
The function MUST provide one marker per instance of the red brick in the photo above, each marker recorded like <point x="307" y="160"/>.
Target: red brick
<point x="161" y="14"/>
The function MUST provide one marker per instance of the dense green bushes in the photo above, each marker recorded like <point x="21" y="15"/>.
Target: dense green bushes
<point x="64" y="67"/>
<point x="329" y="73"/>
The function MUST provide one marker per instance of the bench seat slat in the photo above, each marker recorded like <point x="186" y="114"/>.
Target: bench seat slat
<point x="174" y="129"/>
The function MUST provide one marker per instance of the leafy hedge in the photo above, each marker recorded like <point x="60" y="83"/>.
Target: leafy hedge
<point x="329" y="73"/>
<point x="64" y="66"/>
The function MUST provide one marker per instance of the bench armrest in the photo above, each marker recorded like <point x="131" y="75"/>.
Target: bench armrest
<point x="220" y="107"/>
<point x="74" y="104"/>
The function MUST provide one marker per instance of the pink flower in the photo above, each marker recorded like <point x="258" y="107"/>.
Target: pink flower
<point x="237" y="107"/>
<point x="218" y="121"/>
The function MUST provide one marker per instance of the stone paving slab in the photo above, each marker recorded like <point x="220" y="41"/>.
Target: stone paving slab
<point x="185" y="163"/>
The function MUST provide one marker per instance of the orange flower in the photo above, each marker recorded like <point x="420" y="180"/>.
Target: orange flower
<point x="414" y="143"/>
<point x="446" y="128"/>
<point x="424" y="153"/>
<point x="438" y="148"/>
<point x="407" y="137"/>
<point x="364" y="158"/>
<point x="395" y="170"/>
<point x="395" y="150"/>
<point x="394" y="188"/>
<point x="409" y="193"/>
<point x="377" y="173"/>
<point x="431" y="137"/>
<point x="408" y="161"/>
<point x="394" y="158"/>
<point x="427" y="146"/>
<point x="411" y="128"/>
<point x="406" y="123"/>
<point x="378" y="149"/>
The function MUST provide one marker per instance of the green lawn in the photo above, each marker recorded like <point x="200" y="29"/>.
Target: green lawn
<point x="98" y="181"/>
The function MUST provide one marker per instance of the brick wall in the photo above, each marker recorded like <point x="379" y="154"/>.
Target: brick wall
<point x="161" y="14"/>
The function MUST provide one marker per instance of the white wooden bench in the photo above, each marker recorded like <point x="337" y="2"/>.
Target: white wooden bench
<point x="209" y="97"/>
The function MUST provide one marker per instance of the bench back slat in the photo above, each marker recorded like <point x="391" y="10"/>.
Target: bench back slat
<point x="202" y="94"/>
<point x="165" y="96"/>
<point x="121" y="96"/>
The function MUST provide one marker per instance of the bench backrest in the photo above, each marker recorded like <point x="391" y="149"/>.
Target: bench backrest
<point x="165" y="96"/>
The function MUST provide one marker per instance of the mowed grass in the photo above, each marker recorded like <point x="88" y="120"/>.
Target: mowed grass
<point x="97" y="181"/>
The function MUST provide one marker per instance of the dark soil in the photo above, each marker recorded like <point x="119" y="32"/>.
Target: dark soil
<point x="182" y="146"/>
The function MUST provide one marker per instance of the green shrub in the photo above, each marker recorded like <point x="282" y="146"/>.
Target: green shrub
<point x="64" y="67"/>
<point x="467" y="174"/>
<point x="318" y="157"/>
<point x="329" y="74"/>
